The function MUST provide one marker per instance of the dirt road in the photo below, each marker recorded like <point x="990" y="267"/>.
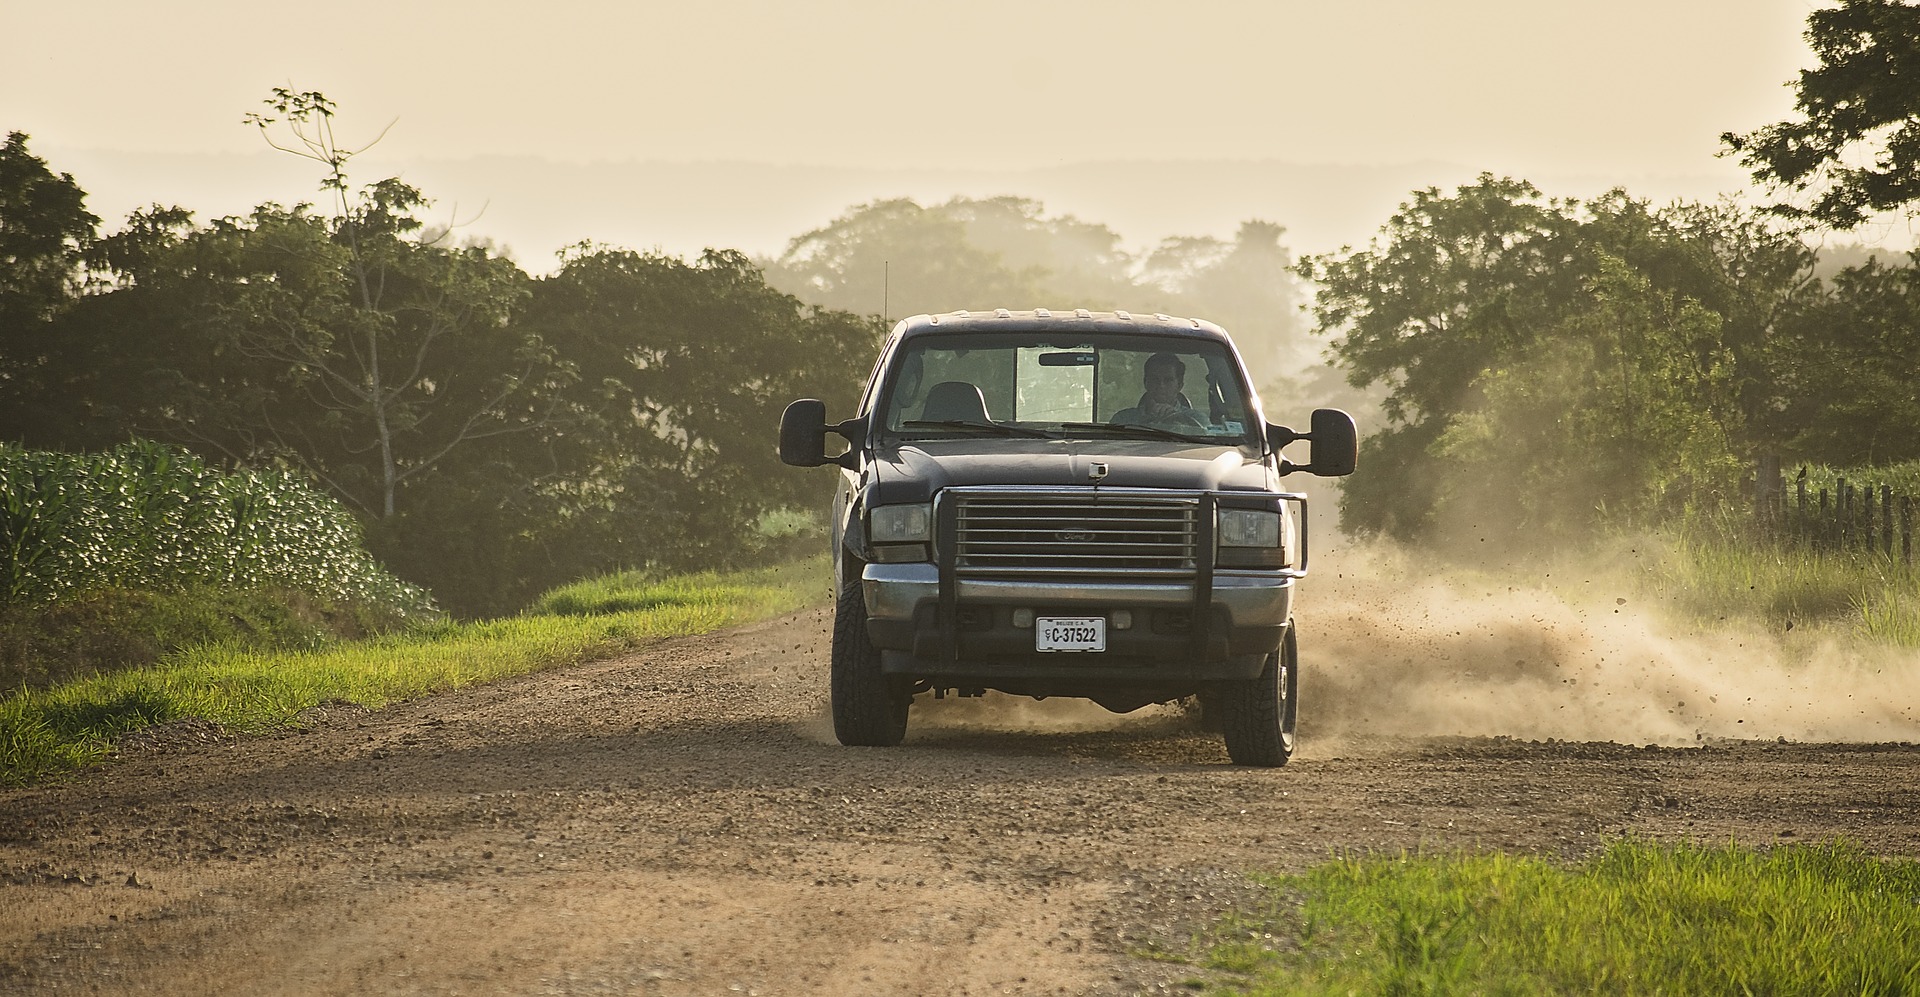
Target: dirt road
<point x="680" y="822"/>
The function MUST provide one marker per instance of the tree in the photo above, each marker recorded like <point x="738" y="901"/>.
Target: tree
<point x="897" y="257"/>
<point x="1845" y="360"/>
<point x="1627" y="405"/>
<point x="1008" y="252"/>
<point x="1072" y="263"/>
<point x="1855" y="145"/>
<point x="45" y="232"/>
<point x="392" y="350"/>
<point x="1246" y="285"/>
<point x="1451" y="283"/>
<point x="1551" y="358"/>
<point x="684" y="368"/>
<point x="270" y="337"/>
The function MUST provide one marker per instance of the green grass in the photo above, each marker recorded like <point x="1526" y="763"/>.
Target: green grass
<point x="636" y="591"/>
<point x="46" y="644"/>
<point x="1637" y="918"/>
<point x="43" y="732"/>
<point x="1711" y="576"/>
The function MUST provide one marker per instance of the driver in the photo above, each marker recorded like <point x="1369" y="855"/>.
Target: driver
<point x="1162" y="404"/>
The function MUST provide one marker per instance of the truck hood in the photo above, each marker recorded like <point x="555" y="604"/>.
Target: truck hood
<point x="916" y="471"/>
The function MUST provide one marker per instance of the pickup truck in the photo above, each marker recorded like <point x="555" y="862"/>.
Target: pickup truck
<point x="1074" y="503"/>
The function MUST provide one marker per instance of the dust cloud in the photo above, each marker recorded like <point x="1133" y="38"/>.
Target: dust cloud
<point x="1394" y="647"/>
<point x="1390" y="648"/>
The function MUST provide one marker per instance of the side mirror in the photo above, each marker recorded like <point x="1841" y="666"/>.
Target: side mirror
<point x="803" y="433"/>
<point x="1336" y="444"/>
<point x="803" y="436"/>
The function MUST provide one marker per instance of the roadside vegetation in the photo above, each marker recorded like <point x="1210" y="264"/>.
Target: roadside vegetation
<point x="1726" y="574"/>
<point x="115" y="559"/>
<point x="43" y="732"/>
<point x="1635" y="918"/>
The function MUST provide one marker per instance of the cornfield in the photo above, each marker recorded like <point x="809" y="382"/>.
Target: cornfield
<point x="149" y="516"/>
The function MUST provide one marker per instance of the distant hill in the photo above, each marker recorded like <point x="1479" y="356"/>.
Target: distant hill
<point x="534" y="207"/>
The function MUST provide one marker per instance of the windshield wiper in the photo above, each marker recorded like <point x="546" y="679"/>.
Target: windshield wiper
<point x="1139" y="430"/>
<point x="992" y="427"/>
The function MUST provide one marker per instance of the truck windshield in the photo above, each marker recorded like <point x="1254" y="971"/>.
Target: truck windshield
<point x="1126" y="386"/>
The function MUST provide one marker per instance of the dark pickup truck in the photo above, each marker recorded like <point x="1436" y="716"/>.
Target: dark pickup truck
<point x="1066" y="504"/>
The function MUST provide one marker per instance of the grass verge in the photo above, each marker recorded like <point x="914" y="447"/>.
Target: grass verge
<point x="1637" y="918"/>
<point x="43" y="732"/>
<point x="1713" y="576"/>
<point x="48" y="644"/>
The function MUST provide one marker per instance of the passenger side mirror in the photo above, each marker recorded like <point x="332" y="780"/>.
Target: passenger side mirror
<point x="1336" y="444"/>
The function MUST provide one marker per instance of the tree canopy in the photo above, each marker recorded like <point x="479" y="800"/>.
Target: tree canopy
<point x="983" y="253"/>
<point x="45" y="233"/>
<point x="497" y="433"/>
<point x="1546" y="359"/>
<point x="1543" y="363"/>
<point x="1855" y="145"/>
<point x="1845" y="362"/>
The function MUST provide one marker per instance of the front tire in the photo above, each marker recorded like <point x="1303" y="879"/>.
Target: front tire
<point x="1257" y="715"/>
<point x="869" y="709"/>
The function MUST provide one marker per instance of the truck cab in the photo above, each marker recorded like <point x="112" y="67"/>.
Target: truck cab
<point x="1084" y="504"/>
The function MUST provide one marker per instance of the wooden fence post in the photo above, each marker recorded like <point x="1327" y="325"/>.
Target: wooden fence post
<point x="1800" y="486"/>
<point x="1844" y="506"/>
<point x="1886" y="520"/>
<point x="1866" y="518"/>
<point x="1906" y="530"/>
<point x="1820" y="536"/>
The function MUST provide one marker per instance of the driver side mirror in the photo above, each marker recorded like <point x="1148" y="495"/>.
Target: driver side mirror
<point x="803" y="436"/>
<point x="803" y="433"/>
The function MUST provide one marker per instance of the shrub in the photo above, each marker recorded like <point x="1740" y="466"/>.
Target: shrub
<point x="144" y="516"/>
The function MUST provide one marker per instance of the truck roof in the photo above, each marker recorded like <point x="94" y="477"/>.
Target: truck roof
<point x="1049" y="320"/>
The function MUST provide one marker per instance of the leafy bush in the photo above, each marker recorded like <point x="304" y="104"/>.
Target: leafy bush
<point x="144" y="516"/>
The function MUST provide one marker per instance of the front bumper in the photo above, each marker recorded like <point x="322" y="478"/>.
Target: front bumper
<point x="1182" y="629"/>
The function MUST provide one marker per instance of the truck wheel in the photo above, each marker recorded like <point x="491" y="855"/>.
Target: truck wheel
<point x="868" y="708"/>
<point x="1257" y="715"/>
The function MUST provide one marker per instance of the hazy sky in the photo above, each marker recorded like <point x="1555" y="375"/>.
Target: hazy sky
<point x="1622" y="89"/>
<point x="1621" y="86"/>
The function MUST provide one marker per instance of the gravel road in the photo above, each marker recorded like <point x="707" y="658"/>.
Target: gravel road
<point x="679" y="821"/>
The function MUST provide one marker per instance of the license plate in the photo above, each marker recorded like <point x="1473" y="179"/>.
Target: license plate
<point x="1070" y="633"/>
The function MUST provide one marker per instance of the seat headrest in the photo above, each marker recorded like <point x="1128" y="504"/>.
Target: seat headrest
<point x="954" y="400"/>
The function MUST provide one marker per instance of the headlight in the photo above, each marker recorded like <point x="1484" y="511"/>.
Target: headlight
<point x="1249" y="528"/>
<point x="898" y="534"/>
<point x="889" y="524"/>
<point x="1252" y="538"/>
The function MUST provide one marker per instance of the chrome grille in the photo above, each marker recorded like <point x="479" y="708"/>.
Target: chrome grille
<point x="1077" y="532"/>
